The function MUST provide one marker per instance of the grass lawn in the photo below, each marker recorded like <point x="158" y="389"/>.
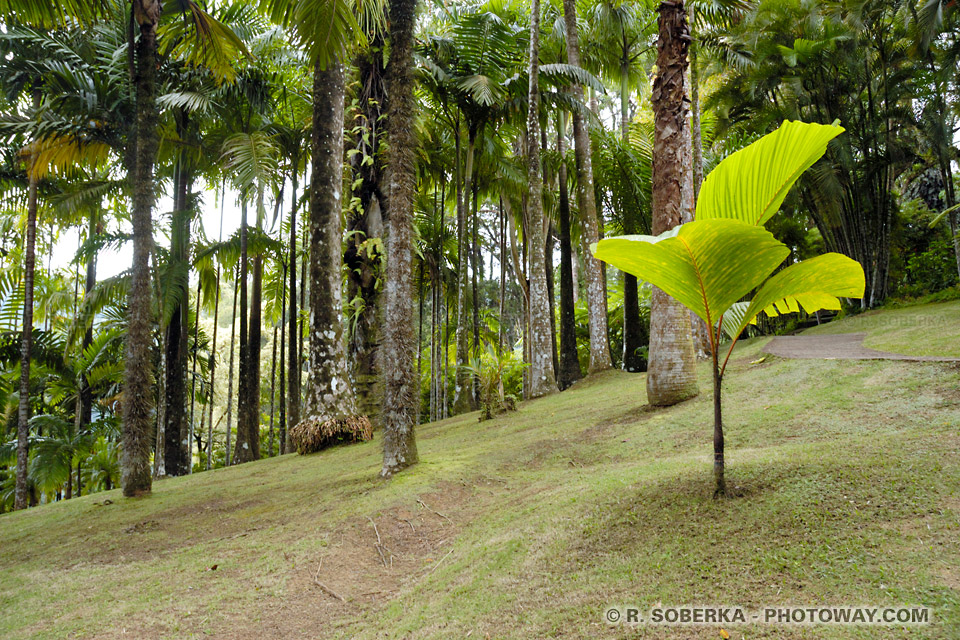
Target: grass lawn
<point x="533" y="524"/>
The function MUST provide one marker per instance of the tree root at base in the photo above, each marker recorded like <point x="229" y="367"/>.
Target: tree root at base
<point x="315" y="434"/>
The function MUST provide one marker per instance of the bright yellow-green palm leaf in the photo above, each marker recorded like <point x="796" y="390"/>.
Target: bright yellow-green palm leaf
<point x="750" y="185"/>
<point x="705" y="265"/>
<point x="813" y="284"/>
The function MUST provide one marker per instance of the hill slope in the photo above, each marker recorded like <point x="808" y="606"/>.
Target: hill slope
<point x="532" y="524"/>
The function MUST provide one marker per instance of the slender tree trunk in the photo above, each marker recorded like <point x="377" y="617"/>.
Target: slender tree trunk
<point x="243" y="368"/>
<point x="671" y="376"/>
<point x="400" y="388"/>
<point x="282" y="435"/>
<point x="233" y="335"/>
<point x="138" y="368"/>
<point x="720" y="485"/>
<point x="293" y="391"/>
<point x="26" y="339"/>
<point x="551" y="296"/>
<point x="463" y="399"/>
<point x="193" y="382"/>
<point x="176" y="428"/>
<point x="586" y="201"/>
<point x="501" y="329"/>
<point x="476" y="265"/>
<point x="542" y="380"/>
<point x="569" y="362"/>
<point x="248" y="432"/>
<point x="632" y="327"/>
<point x="213" y="347"/>
<point x="273" y="389"/>
<point x="86" y="393"/>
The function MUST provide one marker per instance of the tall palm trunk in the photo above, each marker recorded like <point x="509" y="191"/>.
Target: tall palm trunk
<point x="248" y="429"/>
<point x="176" y="426"/>
<point x="233" y="335"/>
<point x="330" y="397"/>
<point x="138" y="368"/>
<point x="293" y="392"/>
<point x="586" y="202"/>
<point x="193" y="383"/>
<point x="364" y="269"/>
<point x="243" y="371"/>
<point x="632" y="328"/>
<point x="273" y="389"/>
<point x="463" y="399"/>
<point x="569" y="363"/>
<point x="26" y="340"/>
<point x="213" y="346"/>
<point x="671" y="376"/>
<point x="542" y="380"/>
<point x="86" y="393"/>
<point x="400" y="383"/>
<point x="282" y="427"/>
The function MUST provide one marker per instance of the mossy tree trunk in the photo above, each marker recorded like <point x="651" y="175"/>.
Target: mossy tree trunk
<point x="401" y="387"/>
<point x="137" y="426"/>
<point x="542" y="380"/>
<point x="329" y="396"/>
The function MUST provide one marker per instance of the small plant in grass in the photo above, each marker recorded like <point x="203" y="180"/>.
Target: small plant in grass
<point x="709" y="264"/>
<point x="489" y="372"/>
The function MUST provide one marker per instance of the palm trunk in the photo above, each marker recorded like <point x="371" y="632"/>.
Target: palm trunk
<point x="248" y="446"/>
<point x="26" y="340"/>
<point x="501" y="328"/>
<point x="569" y="362"/>
<point x="364" y="269"/>
<point x="330" y="395"/>
<point x="671" y="375"/>
<point x="400" y="397"/>
<point x="138" y="367"/>
<point x="542" y="380"/>
<point x="86" y="393"/>
<point x="233" y="335"/>
<point x="273" y="389"/>
<point x="193" y="382"/>
<point x="176" y="429"/>
<point x="213" y="346"/>
<point x="586" y="202"/>
<point x="293" y="391"/>
<point x="476" y="265"/>
<point x="282" y="429"/>
<point x="632" y="327"/>
<point x="463" y="400"/>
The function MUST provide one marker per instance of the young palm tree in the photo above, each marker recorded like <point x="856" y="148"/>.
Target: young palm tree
<point x="671" y="374"/>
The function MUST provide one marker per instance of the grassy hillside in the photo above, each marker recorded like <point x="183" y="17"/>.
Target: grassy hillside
<point x="532" y="524"/>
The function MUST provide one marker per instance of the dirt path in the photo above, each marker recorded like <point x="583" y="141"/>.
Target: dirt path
<point x="843" y="346"/>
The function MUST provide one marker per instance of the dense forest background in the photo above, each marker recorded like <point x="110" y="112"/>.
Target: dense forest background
<point x="476" y="149"/>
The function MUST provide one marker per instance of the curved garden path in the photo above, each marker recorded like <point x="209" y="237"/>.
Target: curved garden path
<point x="841" y="346"/>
